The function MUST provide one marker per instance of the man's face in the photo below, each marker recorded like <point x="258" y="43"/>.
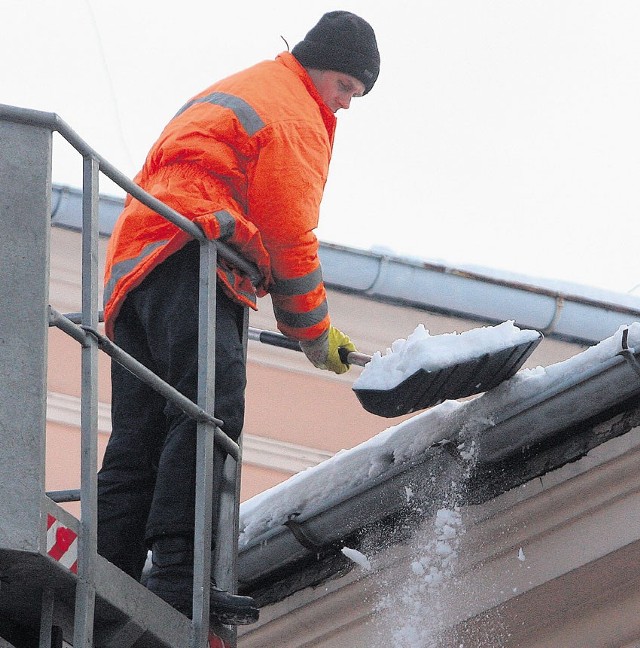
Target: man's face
<point x="336" y="88"/>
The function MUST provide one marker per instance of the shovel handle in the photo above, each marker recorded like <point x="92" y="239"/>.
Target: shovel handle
<point x="274" y="339"/>
<point x="284" y="342"/>
<point x="353" y="357"/>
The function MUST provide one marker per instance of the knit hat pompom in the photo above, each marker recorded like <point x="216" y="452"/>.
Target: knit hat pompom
<point x="343" y="42"/>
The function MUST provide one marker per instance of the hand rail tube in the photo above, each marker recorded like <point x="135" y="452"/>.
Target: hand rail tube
<point x="60" y="497"/>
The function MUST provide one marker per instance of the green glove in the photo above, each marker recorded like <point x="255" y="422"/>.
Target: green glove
<point x="323" y="352"/>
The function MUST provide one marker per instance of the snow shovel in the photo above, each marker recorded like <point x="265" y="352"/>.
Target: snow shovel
<point x="426" y="388"/>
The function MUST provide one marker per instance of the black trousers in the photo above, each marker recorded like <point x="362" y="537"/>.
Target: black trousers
<point x="146" y="486"/>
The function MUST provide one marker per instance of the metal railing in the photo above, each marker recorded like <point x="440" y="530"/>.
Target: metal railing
<point x="83" y="328"/>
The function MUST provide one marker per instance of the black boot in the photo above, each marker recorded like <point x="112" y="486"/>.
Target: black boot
<point x="171" y="573"/>
<point x="231" y="609"/>
<point x="171" y="578"/>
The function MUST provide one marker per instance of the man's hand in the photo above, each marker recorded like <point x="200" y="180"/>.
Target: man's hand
<point x="323" y="352"/>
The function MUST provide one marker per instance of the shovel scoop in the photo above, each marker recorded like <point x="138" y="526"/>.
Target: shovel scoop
<point x="467" y="366"/>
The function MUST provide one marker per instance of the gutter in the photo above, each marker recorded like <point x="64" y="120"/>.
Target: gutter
<point x="66" y="209"/>
<point x="506" y="424"/>
<point x="450" y="291"/>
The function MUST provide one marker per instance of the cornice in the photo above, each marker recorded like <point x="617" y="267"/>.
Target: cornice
<point x="257" y="451"/>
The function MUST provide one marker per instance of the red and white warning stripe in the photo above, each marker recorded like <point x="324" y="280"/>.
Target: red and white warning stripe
<point x="216" y="642"/>
<point x="62" y="544"/>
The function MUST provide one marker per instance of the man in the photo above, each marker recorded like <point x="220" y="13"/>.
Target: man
<point x="247" y="160"/>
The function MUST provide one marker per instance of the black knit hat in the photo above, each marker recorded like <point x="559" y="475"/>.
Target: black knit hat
<point x="343" y="42"/>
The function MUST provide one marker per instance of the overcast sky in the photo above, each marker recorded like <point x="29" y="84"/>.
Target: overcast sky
<point x="500" y="133"/>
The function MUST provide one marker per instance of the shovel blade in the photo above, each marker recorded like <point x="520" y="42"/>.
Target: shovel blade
<point x="424" y="389"/>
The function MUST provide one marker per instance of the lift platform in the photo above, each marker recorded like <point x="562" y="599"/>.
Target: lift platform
<point x="55" y="590"/>
<point x="41" y="584"/>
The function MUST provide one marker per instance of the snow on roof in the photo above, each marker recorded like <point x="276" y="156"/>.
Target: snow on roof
<point x="332" y="481"/>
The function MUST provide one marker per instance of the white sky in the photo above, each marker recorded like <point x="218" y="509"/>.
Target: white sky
<point x="500" y="133"/>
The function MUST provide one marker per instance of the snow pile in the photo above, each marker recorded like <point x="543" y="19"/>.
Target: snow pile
<point x="432" y="352"/>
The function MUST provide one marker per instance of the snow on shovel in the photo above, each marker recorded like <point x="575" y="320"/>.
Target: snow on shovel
<point x="425" y="370"/>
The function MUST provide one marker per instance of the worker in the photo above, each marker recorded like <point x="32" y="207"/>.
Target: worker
<point x="247" y="161"/>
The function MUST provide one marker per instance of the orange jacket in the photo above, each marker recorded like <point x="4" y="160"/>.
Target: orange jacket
<point x="247" y="160"/>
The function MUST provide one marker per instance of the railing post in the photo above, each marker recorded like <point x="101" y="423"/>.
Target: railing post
<point x="25" y="208"/>
<point x="227" y="519"/>
<point x="205" y="443"/>
<point x="85" y="592"/>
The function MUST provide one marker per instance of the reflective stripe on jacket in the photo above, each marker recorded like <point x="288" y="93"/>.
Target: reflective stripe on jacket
<point x="247" y="160"/>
